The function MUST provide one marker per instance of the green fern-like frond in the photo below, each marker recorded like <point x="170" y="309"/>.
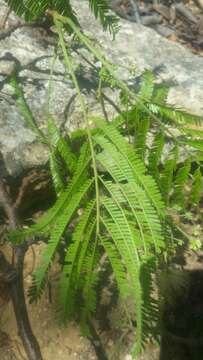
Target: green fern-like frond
<point x="177" y="116"/>
<point x="147" y="86"/>
<point x="137" y="166"/>
<point x="167" y="174"/>
<point x="56" y="233"/>
<point x="195" y="143"/>
<point x="156" y="96"/>
<point x="197" y="186"/>
<point x="118" y="228"/>
<point x="60" y="145"/>
<point x="198" y="133"/>
<point x="127" y="245"/>
<point x="56" y="172"/>
<point x="131" y="233"/>
<point x="180" y="182"/>
<point x="68" y="283"/>
<point x="155" y="154"/>
<point x="141" y="133"/>
<point x="130" y="218"/>
<point x="32" y="9"/>
<point x="116" y="179"/>
<point x="150" y="304"/>
<point x="20" y="8"/>
<point x="68" y="202"/>
<point x="101" y="10"/>
<point x="89" y="281"/>
<point x="118" y="267"/>
<point x="160" y="94"/>
<point x="49" y="218"/>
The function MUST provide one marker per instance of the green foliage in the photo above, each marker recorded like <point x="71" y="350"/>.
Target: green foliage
<point x="147" y="86"/>
<point x="131" y="227"/>
<point x="181" y="178"/>
<point x="101" y="10"/>
<point x="154" y="158"/>
<point x="197" y="185"/>
<point x="167" y="175"/>
<point x="167" y="154"/>
<point x="32" y="9"/>
<point x="113" y="195"/>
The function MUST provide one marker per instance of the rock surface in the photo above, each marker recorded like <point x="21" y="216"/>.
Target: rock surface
<point x="31" y="51"/>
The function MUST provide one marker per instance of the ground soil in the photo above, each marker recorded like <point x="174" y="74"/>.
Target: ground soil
<point x="56" y="342"/>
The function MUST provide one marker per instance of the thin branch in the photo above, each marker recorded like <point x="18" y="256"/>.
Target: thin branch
<point x="14" y="276"/>
<point x="6" y="203"/>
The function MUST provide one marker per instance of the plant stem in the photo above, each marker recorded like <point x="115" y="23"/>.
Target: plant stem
<point x="83" y="106"/>
<point x="110" y="68"/>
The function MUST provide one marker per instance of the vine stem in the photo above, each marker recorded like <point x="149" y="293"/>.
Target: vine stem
<point x="68" y="63"/>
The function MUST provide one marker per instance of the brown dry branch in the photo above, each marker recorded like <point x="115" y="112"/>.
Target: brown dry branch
<point x="12" y="274"/>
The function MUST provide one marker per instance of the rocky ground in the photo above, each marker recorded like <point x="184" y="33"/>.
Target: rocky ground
<point x="31" y="49"/>
<point x="180" y="21"/>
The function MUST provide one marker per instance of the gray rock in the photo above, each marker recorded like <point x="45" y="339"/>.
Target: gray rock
<point x="31" y="51"/>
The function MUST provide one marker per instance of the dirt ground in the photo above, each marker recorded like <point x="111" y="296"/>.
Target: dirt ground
<point x="55" y="342"/>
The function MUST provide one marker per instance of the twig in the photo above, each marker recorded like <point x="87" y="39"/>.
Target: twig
<point x="96" y="342"/>
<point x="5" y="18"/>
<point x="14" y="276"/>
<point x="103" y="108"/>
<point x="18" y="298"/>
<point x="6" y="203"/>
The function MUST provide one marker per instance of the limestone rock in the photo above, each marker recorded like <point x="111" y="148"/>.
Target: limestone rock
<point x="31" y="52"/>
